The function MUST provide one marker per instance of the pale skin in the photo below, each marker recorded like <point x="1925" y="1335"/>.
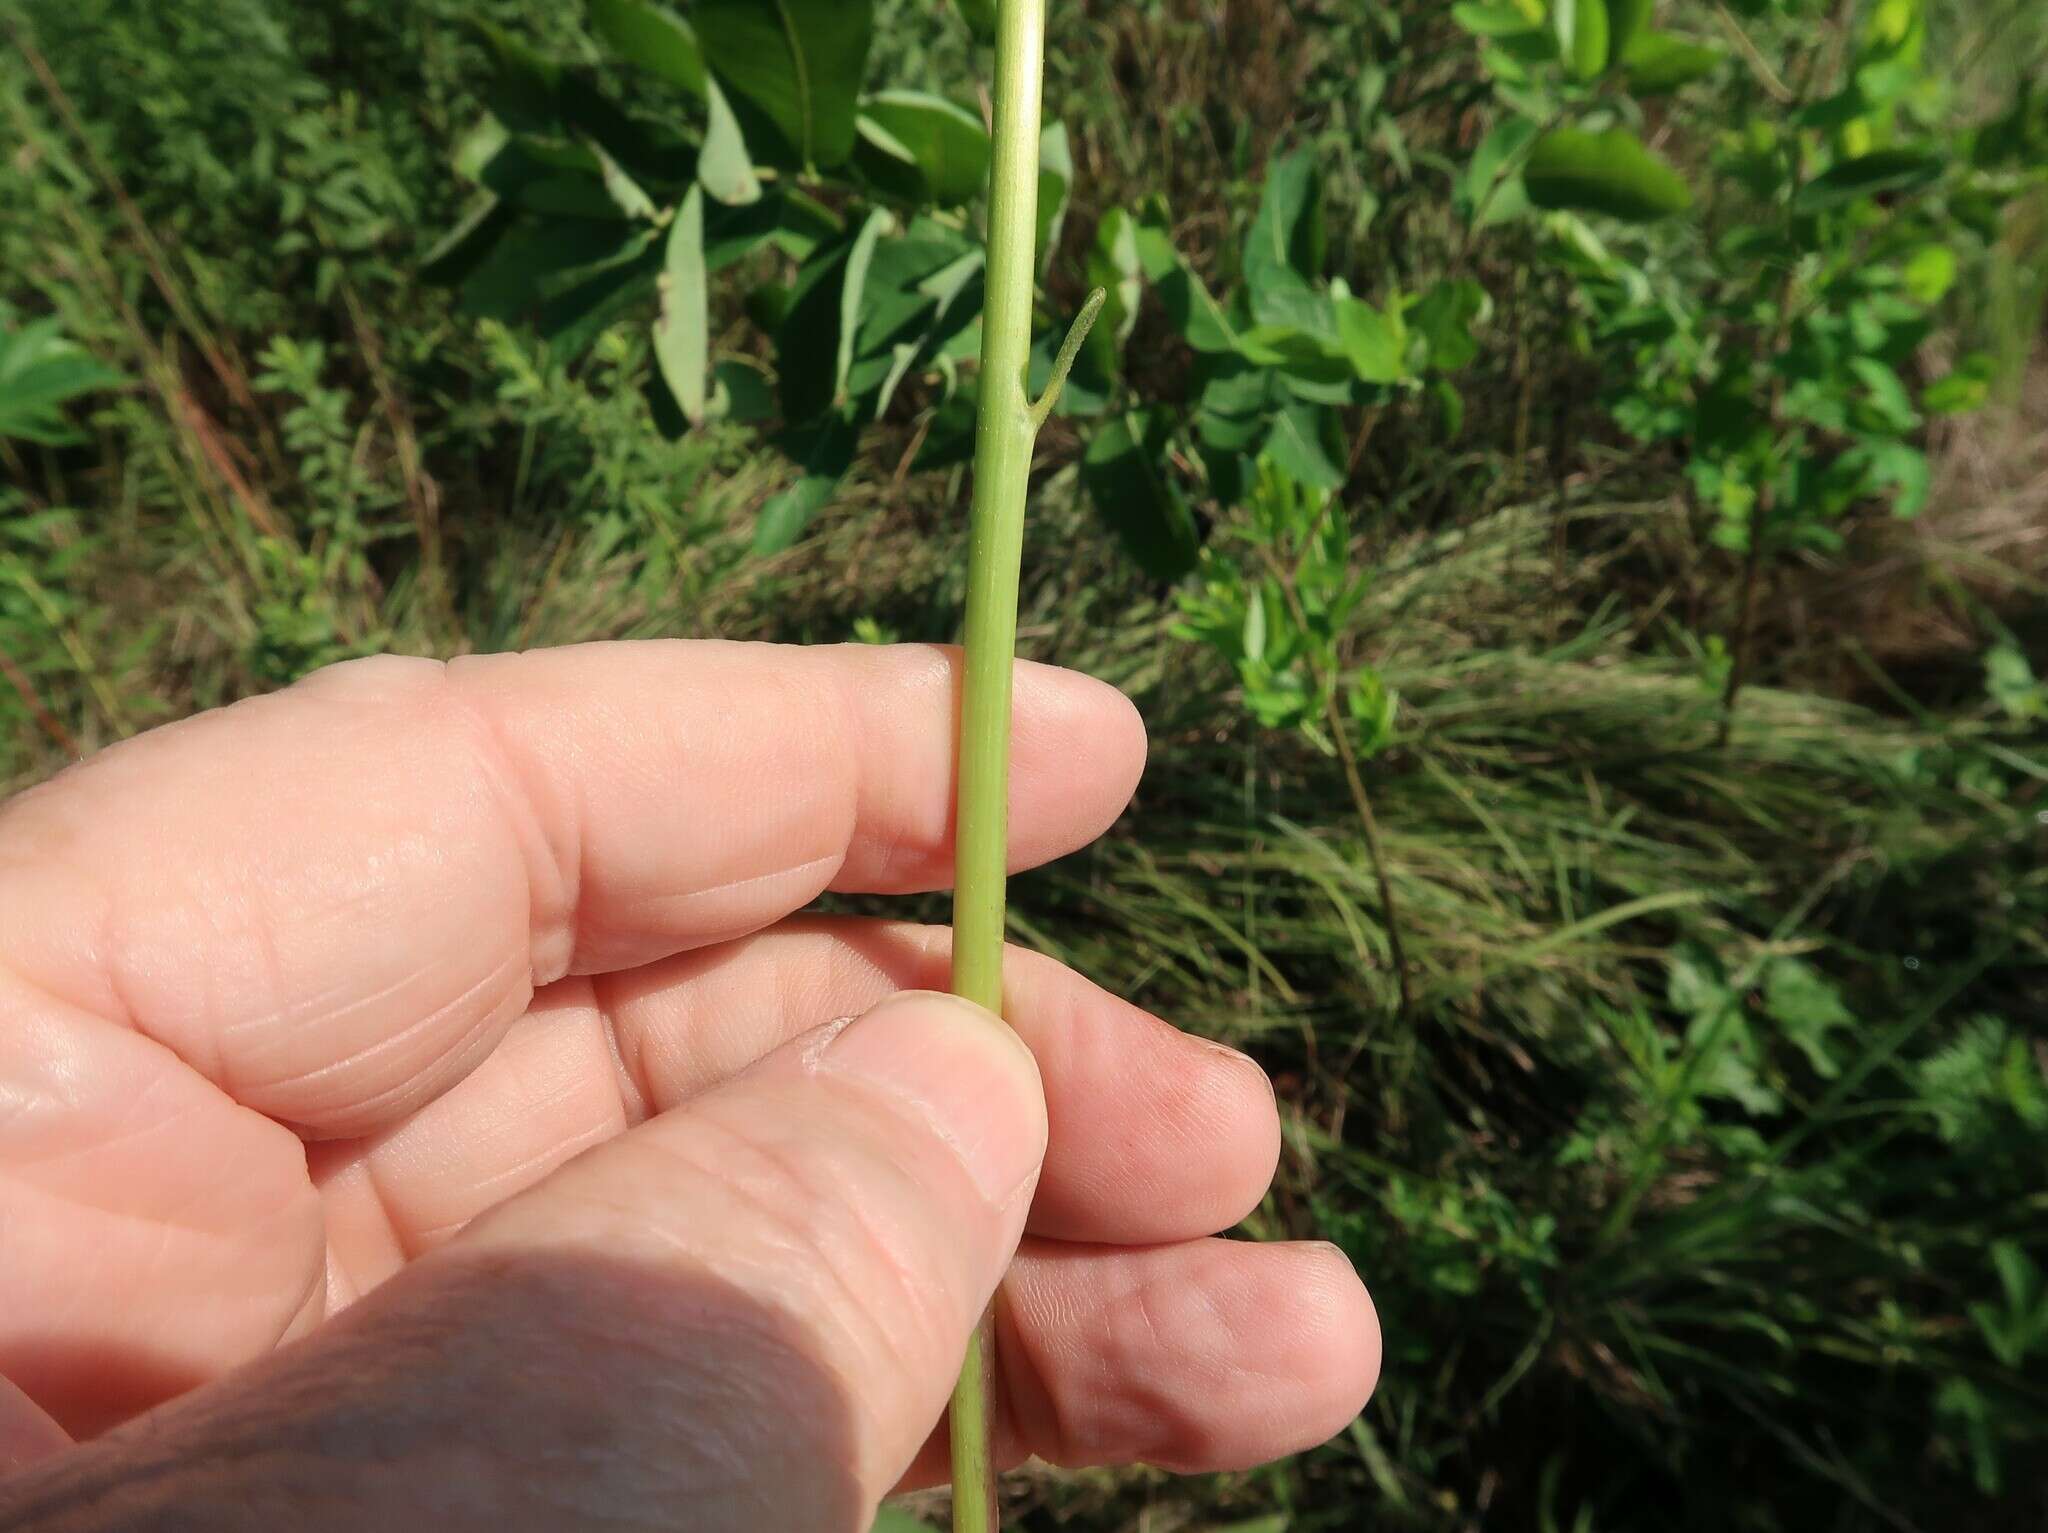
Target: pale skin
<point x="420" y="1105"/>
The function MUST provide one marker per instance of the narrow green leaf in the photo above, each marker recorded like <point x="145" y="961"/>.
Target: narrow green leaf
<point x="726" y="166"/>
<point x="653" y="37"/>
<point x="1582" y="35"/>
<point x="853" y="293"/>
<point x="1288" y="239"/>
<point x="1611" y="173"/>
<point x="682" y="333"/>
<point x="1884" y="172"/>
<point x="626" y="194"/>
<point x="1489" y="20"/>
<point x="1055" y="185"/>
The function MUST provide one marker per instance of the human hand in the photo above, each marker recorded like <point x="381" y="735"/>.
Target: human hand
<point x="417" y="1102"/>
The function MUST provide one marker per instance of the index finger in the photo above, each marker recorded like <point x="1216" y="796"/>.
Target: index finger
<point x="331" y="901"/>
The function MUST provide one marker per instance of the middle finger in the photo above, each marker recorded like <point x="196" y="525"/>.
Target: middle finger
<point x="1155" y="1135"/>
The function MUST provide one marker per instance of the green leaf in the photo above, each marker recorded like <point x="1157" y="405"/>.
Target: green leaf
<point x="1967" y="387"/>
<point x="1195" y="313"/>
<point x="40" y="372"/>
<point x="892" y="1519"/>
<point x="853" y="294"/>
<point x="1582" y="35"/>
<point x="682" y="333"/>
<point x="823" y="452"/>
<point x="980" y="16"/>
<point x="1375" y="341"/>
<point x="798" y="63"/>
<point x="1444" y="317"/>
<point x="524" y="85"/>
<point x="1807" y="1008"/>
<point x="1903" y="468"/>
<point x="1149" y="515"/>
<point x="1490" y="20"/>
<point x="1887" y="395"/>
<point x="462" y="249"/>
<point x="1296" y="447"/>
<point x="1611" y="173"/>
<point x="1626" y="20"/>
<point x="1055" y="186"/>
<point x="726" y="167"/>
<point x="654" y="38"/>
<point x="1930" y="272"/>
<point x="1882" y="173"/>
<point x="1286" y="248"/>
<point x="945" y="148"/>
<point x="626" y="194"/>
<point x="1660" y="62"/>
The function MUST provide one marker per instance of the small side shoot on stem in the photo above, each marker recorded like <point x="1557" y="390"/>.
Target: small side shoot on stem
<point x="1006" y="435"/>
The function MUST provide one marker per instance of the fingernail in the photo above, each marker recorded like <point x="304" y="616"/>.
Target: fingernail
<point x="963" y="1073"/>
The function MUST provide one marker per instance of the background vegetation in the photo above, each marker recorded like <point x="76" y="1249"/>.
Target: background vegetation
<point x="1688" y="1115"/>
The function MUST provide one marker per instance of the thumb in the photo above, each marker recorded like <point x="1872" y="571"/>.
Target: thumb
<point x="784" y="1273"/>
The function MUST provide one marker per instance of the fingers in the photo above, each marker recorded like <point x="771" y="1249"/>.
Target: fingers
<point x="1155" y="1135"/>
<point x="333" y="901"/>
<point x="821" y="1234"/>
<point x="26" y="1431"/>
<point x="1211" y="1355"/>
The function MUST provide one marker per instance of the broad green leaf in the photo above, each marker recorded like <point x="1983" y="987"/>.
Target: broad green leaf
<point x="1297" y="448"/>
<point x="1288" y="239"/>
<point x="980" y="16"/>
<point x="1903" y="469"/>
<point x="853" y="294"/>
<point x="1884" y="172"/>
<point x="726" y="167"/>
<point x="823" y="452"/>
<point x="682" y="333"/>
<point x="1609" y="173"/>
<point x="1122" y="470"/>
<point x="798" y="63"/>
<point x="1444" y="317"/>
<point x="944" y="146"/>
<point x="1660" y="62"/>
<point x="654" y="38"/>
<point x="1626" y="21"/>
<point x="1375" y="341"/>
<point x="40" y="372"/>
<point x="1966" y="388"/>
<point x="1887" y="394"/>
<point x="1195" y="313"/>
<point x="1930" y="272"/>
<point x="1582" y="31"/>
<point x="1116" y="266"/>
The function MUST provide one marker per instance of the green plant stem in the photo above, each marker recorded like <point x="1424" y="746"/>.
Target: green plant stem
<point x="1006" y="436"/>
